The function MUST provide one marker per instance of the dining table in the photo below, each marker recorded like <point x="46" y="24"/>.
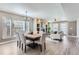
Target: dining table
<point x="33" y="38"/>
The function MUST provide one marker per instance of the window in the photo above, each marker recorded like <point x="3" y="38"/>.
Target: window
<point x="64" y="28"/>
<point x="19" y="26"/>
<point x="55" y="27"/>
<point x="7" y="26"/>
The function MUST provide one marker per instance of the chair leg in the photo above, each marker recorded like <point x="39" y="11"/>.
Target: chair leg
<point x="41" y="48"/>
<point x="17" y="43"/>
<point x="45" y="46"/>
<point x="25" y="49"/>
<point x="22" y="47"/>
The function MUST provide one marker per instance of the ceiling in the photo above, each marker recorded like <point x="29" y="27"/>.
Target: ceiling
<point x="49" y="11"/>
<point x="71" y="10"/>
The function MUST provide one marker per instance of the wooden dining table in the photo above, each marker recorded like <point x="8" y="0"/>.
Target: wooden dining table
<point x="33" y="38"/>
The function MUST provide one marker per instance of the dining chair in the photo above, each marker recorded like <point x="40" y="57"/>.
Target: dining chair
<point x="18" y="40"/>
<point x="42" y="42"/>
<point x="24" y="42"/>
<point x="43" y="37"/>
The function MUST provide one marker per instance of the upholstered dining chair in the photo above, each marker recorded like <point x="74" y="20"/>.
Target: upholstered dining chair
<point x="18" y="40"/>
<point x="42" y="42"/>
<point x="22" y="42"/>
<point x="22" y="39"/>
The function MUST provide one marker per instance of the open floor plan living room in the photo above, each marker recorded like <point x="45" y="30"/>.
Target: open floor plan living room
<point x="39" y="29"/>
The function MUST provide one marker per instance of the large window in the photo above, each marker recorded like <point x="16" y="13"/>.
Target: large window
<point x="11" y="26"/>
<point x="60" y="27"/>
<point x="27" y="26"/>
<point x="19" y="26"/>
<point x="7" y="26"/>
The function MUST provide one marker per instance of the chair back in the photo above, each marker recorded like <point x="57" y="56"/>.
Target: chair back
<point x="42" y="38"/>
<point x="22" y="38"/>
<point x="41" y="34"/>
<point x="17" y="36"/>
<point x="43" y="42"/>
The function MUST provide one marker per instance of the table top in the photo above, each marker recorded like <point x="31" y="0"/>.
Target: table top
<point x="33" y="36"/>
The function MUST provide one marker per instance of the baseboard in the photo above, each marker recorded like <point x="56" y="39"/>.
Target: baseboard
<point x="5" y="41"/>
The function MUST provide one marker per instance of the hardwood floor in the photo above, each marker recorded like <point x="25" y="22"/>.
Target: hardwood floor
<point x="69" y="46"/>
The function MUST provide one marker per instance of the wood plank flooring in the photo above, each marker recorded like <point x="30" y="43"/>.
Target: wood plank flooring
<point x="69" y="46"/>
